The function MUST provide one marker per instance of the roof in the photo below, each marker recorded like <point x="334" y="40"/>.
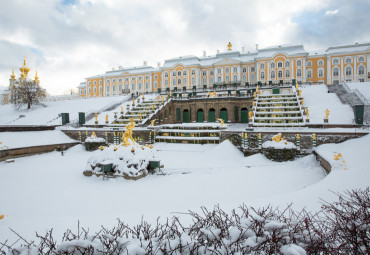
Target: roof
<point x="349" y="48"/>
<point x="289" y="50"/>
<point x="82" y="85"/>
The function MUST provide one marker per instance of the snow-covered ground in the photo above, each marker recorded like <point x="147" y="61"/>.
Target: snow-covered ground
<point x="49" y="190"/>
<point x="362" y="87"/>
<point x="40" y="115"/>
<point x="317" y="99"/>
<point x="11" y="140"/>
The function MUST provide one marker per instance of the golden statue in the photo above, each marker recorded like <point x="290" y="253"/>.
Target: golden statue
<point x="296" y="86"/>
<point x="259" y="135"/>
<point x="307" y="113"/>
<point x="170" y="93"/>
<point x="302" y="101"/>
<point x="152" y="122"/>
<point x="253" y="103"/>
<point x="93" y="135"/>
<point x="277" y="138"/>
<point x="221" y="121"/>
<point x="299" y="93"/>
<point x="162" y="100"/>
<point x="254" y="94"/>
<point x="140" y="116"/>
<point x="133" y="101"/>
<point x="128" y="133"/>
<point x="327" y="112"/>
<point x="250" y="114"/>
<point x="153" y="107"/>
<point x="298" y="136"/>
<point x="96" y="117"/>
<point x="214" y="94"/>
<point x="257" y="88"/>
<point x="121" y="108"/>
<point x="229" y="46"/>
<point x="314" y="136"/>
<point x="143" y="95"/>
<point x="106" y="118"/>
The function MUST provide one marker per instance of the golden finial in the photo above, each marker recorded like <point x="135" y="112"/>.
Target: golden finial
<point x="229" y="46"/>
<point x="12" y="76"/>
<point x="24" y="60"/>
<point x="36" y="77"/>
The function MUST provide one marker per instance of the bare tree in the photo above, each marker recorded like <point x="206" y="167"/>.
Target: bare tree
<point x="26" y="92"/>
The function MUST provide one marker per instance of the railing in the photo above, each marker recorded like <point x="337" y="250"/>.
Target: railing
<point x="61" y="98"/>
<point x="356" y="92"/>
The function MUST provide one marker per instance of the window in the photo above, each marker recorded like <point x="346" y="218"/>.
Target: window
<point x="272" y="74"/>
<point x="212" y="80"/>
<point x="192" y="80"/>
<point x="204" y="73"/>
<point x="244" y="78"/>
<point x="335" y="71"/>
<point x="299" y="62"/>
<point x="133" y="86"/>
<point x="287" y="73"/>
<point x="235" y="78"/>
<point x="173" y="73"/>
<point x="100" y="82"/>
<point x="100" y="89"/>
<point x="166" y="74"/>
<point x="253" y="69"/>
<point x="133" y="78"/>
<point x="107" y="88"/>
<point x="287" y="63"/>
<point x="184" y="72"/>
<point x="244" y="69"/>
<point x="184" y="81"/>
<point x="140" y="78"/>
<point x="212" y="72"/>
<point x="108" y="81"/>
<point x="114" y="81"/>
<point x="361" y="59"/>
<point x="120" y="87"/>
<point x="174" y="82"/>
<point x="146" y="77"/>
<point x="179" y="73"/>
<point x="193" y="72"/>
<point x="262" y="66"/>
<point x="120" y="80"/>
<point x="179" y="81"/>
<point x="280" y="64"/>
<point x="321" y="73"/>
<point x="89" y="83"/>
<point x="227" y="70"/>
<point x="272" y="65"/>
<point x="94" y="82"/>
<point x="309" y="73"/>
<point x="262" y="75"/>
<point x="309" y="63"/>
<point x="348" y="70"/>
<point x="94" y="89"/>
<point x="320" y="63"/>
<point x="227" y="78"/>
<point x="126" y="86"/>
<point x="89" y="90"/>
<point x="335" y="61"/>
<point x="147" y="85"/>
<point x="219" y="79"/>
<point x="114" y="87"/>
<point x="348" y="60"/>
<point x="126" y="79"/>
<point x="361" y="70"/>
<point x="204" y="81"/>
<point x="219" y="70"/>
<point x="155" y="84"/>
<point x="155" y="77"/>
<point x="140" y="86"/>
<point x="166" y="83"/>
<point x="280" y="74"/>
<point x="299" y="72"/>
<point x="235" y="70"/>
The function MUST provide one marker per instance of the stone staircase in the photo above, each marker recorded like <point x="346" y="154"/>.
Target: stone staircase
<point x="277" y="110"/>
<point x="188" y="133"/>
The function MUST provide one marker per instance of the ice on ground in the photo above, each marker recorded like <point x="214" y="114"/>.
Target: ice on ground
<point x="317" y="99"/>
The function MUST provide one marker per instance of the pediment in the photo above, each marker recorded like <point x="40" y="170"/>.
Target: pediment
<point x="227" y="61"/>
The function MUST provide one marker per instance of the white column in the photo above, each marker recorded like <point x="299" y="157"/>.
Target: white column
<point x="342" y="74"/>
<point x="328" y="71"/>
<point x="355" y="69"/>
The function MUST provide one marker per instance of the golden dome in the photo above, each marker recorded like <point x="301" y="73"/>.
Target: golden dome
<point x="24" y="69"/>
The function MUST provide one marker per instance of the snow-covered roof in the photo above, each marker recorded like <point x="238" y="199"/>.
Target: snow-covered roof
<point x="289" y="50"/>
<point x="321" y="52"/>
<point x="82" y="85"/>
<point x="349" y="48"/>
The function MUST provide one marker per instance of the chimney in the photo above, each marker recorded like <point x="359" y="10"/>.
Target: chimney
<point x="158" y="64"/>
<point x="243" y="49"/>
<point x="218" y="51"/>
<point x="204" y="53"/>
<point x="256" y="47"/>
<point x="145" y="63"/>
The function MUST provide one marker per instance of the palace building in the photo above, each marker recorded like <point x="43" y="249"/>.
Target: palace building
<point x="282" y="63"/>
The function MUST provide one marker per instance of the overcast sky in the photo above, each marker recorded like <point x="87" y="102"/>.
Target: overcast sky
<point x="68" y="40"/>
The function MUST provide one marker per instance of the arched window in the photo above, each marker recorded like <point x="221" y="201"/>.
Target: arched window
<point x="204" y="81"/>
<point x="262" y="66"/>
<point x="348" y="60"/>
<point x="100" y="89"/>
<point x="192" y="80"/>
<point x="287" y="63"/>
<point x="193" y="72"/>
<point x="253" y="69"/>
<point x="108" y="81"/>
<point x="94" y="89"/>
<point x="361" y="70"/>
<point x="227" y="70"/>
<point x="166" y="83"/>
<point x="244" y="78"/>
<point x="272" y="65"/>
<point x="335" y="71"/>
<point x="244" y="69"/>
<point x="361" y="59"/>
<point x="139" y="85"/>
<point x="212" y="80"/>
<point x="179" y="73"/>
<point x="166" y="74"/>
<point x="174" y="82"/>
<point x="212" y="72"/>
<point x="287" y="73"/>
<point x="280" y="74"/>
<point x="89" y="90"/>
<point x="155" y="84"/>
<point x="299" y="63"/>
<point x="235" y="70"/>
<point x="321" y="73"/>
<point x="309" y="73"/>
<point x="184" y="81"/>
<point x="114" y="80"/>
<point x="173" y="73"/>
<point x="219" y="70"/>
<point x="94" y="82"/>
<point x="348" y="70"/>
<point x="336" y="61"/>
<point x="262" y="75"/>
<point x="320" y="63"/>
<point x="280" y="64"/>
<point x="309" y="63"/>
<point x="204" y="73"/>
<point x="107" y="88"/>
<point x="219" y="79"/>
<point x="133" y="86"/>
<point x="179" y="81"/>
<point x="147" y="84"/>
<point x="184" y="72"/>
<point x="227" y="78"/>
<point x="299" y="72"/>
<point x="120" y="88"/>
<point x="272" y="74"/>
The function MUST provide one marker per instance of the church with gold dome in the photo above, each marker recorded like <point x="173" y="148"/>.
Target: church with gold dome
<point x="6" y="94"/>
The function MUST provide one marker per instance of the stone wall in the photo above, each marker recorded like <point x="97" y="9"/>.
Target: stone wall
<point x="25" y="128"/>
